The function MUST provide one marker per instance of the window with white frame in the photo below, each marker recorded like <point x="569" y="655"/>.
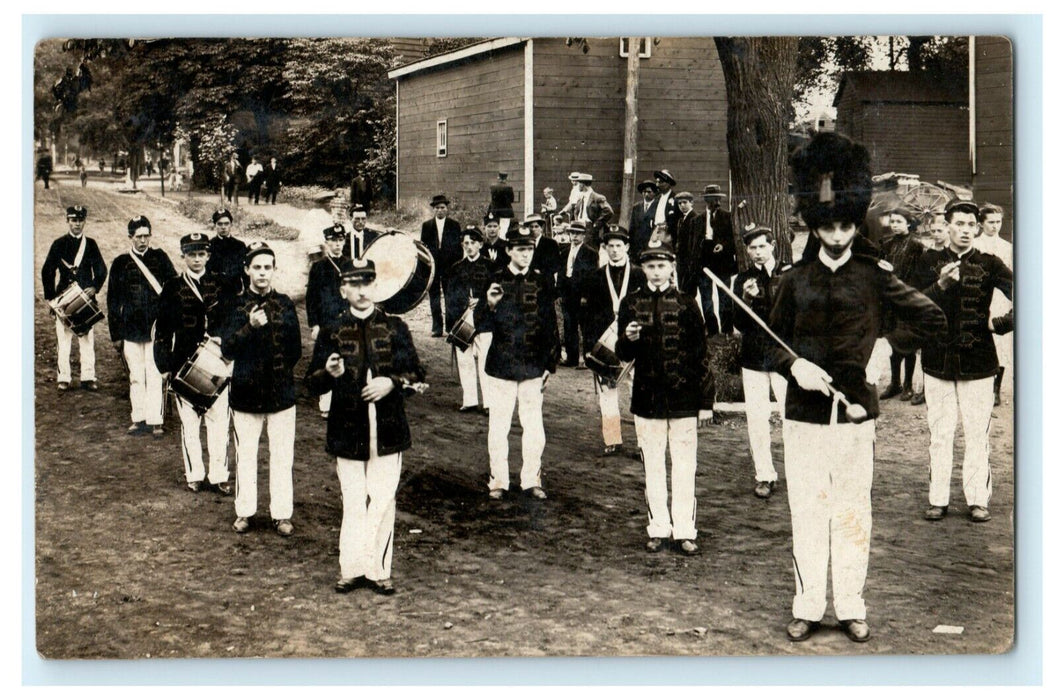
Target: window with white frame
<point x="645" y="46"/>
<point x="442" y="138"/>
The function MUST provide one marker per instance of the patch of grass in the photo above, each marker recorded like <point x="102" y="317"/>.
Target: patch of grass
<point x="246" y="224"/>
<point x="723" y="359"/>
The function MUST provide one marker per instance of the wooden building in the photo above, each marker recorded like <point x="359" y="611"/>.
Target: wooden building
<point x="991" y="150"/>
<point x="539" y="109"/>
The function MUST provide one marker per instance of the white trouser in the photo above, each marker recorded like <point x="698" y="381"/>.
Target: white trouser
<point x="609" y="406"/>
<point x="679" y="435"/>
<point x="829" y="474"/>
<point x="144" y="382"/>
<point x="758" y="387"/>
<point x="974" y="400"/>
<point x="216" y="420"/>
<point x="86" y="348"/>
<point x="528" y="396"/>
<point x="918" y="380"/>
<point x="1004" y="348"/>
<point x="248" y="428"/>
<point x="324" y="401"/>
<point x="471" y="370"/>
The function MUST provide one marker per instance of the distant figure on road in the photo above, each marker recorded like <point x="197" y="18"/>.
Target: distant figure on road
<point x="255" y="178"/>
<point x="44" y="168"/>
<point x="232" y="175"/>
<point x="502" y="203"/>
<point x="272" y="180"/>
<point x="361" y="191"/>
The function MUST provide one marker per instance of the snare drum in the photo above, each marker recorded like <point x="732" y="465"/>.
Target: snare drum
<point x="404" y="268"/>
<point x="461" y="334"/>
<point x="603" y="360"/>
<point x="203" y="377"/>
<point x="78" y="311"/>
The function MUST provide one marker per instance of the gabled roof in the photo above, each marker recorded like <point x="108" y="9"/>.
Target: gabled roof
<point x="897" y="86"/>
<point x="456" y="55"/>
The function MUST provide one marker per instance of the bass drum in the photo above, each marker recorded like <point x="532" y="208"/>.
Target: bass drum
<point x="404" y="268"/>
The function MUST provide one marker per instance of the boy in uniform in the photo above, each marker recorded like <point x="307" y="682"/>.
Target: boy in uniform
<point x="263" y="338"/>
<point x="756" y="286"/>
<point x="604" y="289"/>
<point x="519" y="308"/>
<point x="494" y="247"/>
<point x="467" y="283"/>
<point x="661" y="329"/>
<point x="189" y="310"/>
<point x="367" y="360"/>
<point x="829" y="309"/>
<point x="323" y="300"/>
<point x="960" y="368"/>
<point x="226" y="256"/>
<point x="136" y="280"/>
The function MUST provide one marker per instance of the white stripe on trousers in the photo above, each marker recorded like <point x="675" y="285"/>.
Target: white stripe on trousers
<point x="216" y="420"/>
<point x="85" y="347"/>
<point x="679" y="435"/>
<point x="248" y="427"/>
<point x="829" y="475"/>
<point x="757" y="386"/>
<point x="528" y="396"/>
<point x="144" y="382"/>
<point x="974" y="400"/>
<point x="471" y="371"/>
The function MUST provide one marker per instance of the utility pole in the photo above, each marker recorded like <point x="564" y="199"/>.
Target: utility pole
<point x="631" y="132"/>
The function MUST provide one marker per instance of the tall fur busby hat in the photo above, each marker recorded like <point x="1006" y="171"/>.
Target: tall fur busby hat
<point x="831" y="180"/>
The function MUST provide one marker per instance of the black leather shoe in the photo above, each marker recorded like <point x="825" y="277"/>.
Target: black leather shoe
<point x="383" y="587"/>
<point x="64" y="386"/>
<point x="137" y="428"/>
<point x="194" y="486"/>
<point x="764" y="489"/>
<point x="438" y="334"/>
<point x="654" y="545"/>
<point x="801" y="630"/>
<point x="687" y="547"/>
<point x="90" y="385"/>
<point x="906" y="395"/>
<point x="935" y="512"/>
<point x="917" y="399"/>
<point x="346" y="585"/>
<point x="856" y="630"/>
<point x="223" y="488"/>
<point x="482" y="411"/>
<point x="467" y="409"/>
<point x="892" y="391"/>
<point x="979" y="514"/>
<point x="610" y="450"/>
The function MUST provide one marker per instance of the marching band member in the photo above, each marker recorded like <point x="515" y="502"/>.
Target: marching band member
<point x="662" y="331"/>
<point x="755" y="286"/>
<point x="136" y="280"/>
<point x="519" y="308"/>
<point x="226" y="256"/>
<point x="960" y="368"/>
<point x="262" y="337"/>
<point x="367" y="360"/>
<point x="189" y="310"/>
<point x="829" y="309"/>
<point x="467" y="283"/>
<point x="604" y="288"/>
<point x="323" y="300"/>
<point x="74" y="258"/>
<point x="494" y="248"/>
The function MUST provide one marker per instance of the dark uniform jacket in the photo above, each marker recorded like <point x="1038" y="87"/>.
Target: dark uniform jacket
<point x="450" y="249"/>
<point x="382" y="344"/>
<point x="502" y="201"/>
<point x="467" y="278"/>
<point x="547" y="258"/>
<point x="597" y="303"/>
<point x="756" y="346"/>
<point x="724" y="263"/>
<point x="585" y="262"/>
<point x="833" y="319"/>
<point x="524" y="326"/>
<point x="262" y="380"/>
<point x="131" y="302"/>
<point x="672" y="376"/>
<point x="967" y="350"/>
<point x="184" y="319"/>
<point x="323" y="300"/>
<point x="227" y="258"/>
<point x="91" y="272"/>
<point x="500" y="258"/>
<point x="903" y="252"/>
<point x="369" y="235"/>
<point x="688" y="240"/>
<point x="641" y="227"/>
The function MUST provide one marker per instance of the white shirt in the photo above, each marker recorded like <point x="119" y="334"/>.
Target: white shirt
<point x="658" y="289"/>
<point x="572" y="257"/>
<point x="662" y="207"/>
<point x="440" y="230"/>
<point x="362" y="314"/>
<point x="832" y="264"/>
<point x="997" y="246"/>
<point x="253" y="169"/>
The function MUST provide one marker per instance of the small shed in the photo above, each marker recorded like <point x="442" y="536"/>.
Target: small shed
<point x="539" y="109"/>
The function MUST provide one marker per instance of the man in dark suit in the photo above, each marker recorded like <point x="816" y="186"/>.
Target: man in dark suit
<point x="441" y="235"/>
<point x="642" y="217"/>
<point x="502" y="203"/>
<point x="591" y="208"/>
<point x="719" y="256"/>
<point x="580" y="260"/>
<point x="688" y="239"/>
<point x="667" y="212"/>
<point x="361" y="191"/>
<point x="547" y="256"/>
<point x="360" y="236"/>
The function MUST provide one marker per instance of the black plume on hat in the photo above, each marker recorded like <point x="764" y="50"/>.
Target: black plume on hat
<point x="831" y="180"/>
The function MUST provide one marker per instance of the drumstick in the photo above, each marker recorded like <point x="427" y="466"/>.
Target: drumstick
<point x="855" y="412"/>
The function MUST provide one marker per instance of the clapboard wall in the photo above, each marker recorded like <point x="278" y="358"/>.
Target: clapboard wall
<point x="482" y="99"/>
<point x="993" y="181"/>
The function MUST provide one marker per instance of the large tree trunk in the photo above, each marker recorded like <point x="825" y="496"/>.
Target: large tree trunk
<point x="760" y="73"/>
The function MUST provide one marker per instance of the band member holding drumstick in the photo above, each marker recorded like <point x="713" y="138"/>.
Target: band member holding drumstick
<point x="263" y="338"/>
<point x="829" y="309"/>
<point x="494" y="248"/>
<point x="226" y="256"/>
<point x="368" y="360"/>
<point x="75" y="258"/>
<point x="190" y="310"/>
<point x="467" y="283"/>
<point x="755" y="286"/>
<point x="960" y="368"/>
<point x="441" y="235"/>
<point x="136" y="280"/>
<point x="323" y="300"/>
<point x="603" y="290"/>
<point x="660" y="328"/>
<point x="519" y="308"/>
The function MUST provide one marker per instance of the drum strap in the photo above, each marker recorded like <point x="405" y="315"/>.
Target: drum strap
<point x="623" y="286"/>
<point x="80" y="252"/>
<point x="194" y="287"/>
<point x="151" y="279"/>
